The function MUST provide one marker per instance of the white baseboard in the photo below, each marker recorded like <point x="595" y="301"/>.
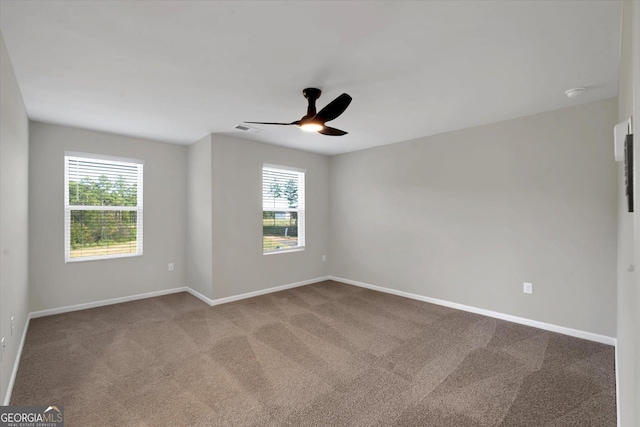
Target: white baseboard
<point x="515" y="319"/>
<point x="16" y="364"/>
<point x="201" y="297"/>
<point x="211" y="302"/>
<point x="225" y="300"/>
<point x="70" y="308"/>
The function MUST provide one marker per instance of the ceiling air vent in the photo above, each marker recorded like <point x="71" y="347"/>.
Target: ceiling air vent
<point x="248" y="129"/>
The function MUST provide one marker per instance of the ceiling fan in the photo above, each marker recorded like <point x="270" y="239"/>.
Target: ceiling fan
<point x="315" y="122"/>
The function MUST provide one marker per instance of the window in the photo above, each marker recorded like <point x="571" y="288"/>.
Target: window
<point x="282" y="208"/>
<point x="103" y="207"/>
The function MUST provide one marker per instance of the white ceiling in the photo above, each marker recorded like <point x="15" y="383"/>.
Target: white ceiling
<point x="176" y="70"/>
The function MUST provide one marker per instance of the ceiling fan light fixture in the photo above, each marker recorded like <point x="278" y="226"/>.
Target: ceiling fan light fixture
<point x="311" y="127"/>
<point x="314" y="121"/>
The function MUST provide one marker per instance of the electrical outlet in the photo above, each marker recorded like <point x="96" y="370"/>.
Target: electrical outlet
<point x="12" y="324"/>
<point x="527" y="288"/>
<point x="324" y="258"/>
<point x="170" y="266"/>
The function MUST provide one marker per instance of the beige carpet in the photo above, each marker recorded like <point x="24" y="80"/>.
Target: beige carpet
<point x="326" y="354"/>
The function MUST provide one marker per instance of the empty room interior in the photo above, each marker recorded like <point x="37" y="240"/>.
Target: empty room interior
<point x="315" y="213"/>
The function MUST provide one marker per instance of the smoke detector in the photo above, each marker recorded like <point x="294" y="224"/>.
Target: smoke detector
<point x="575" y="92"/>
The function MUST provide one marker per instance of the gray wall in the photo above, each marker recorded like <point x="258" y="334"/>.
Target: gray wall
<point x="199" y="224"/>
<point x="56" y="284"/>
<point x="14" y="208"/>
<point x="468" y="216"/>
<point x="628" y="333"/>
<point x="238" y="263"/>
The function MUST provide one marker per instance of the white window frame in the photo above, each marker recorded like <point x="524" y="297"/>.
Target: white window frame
<point x="68" y="207"/>
<point x="300" y="209"/>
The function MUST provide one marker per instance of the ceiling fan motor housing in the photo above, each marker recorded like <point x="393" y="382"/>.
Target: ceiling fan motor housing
<point x="312" y="93"/>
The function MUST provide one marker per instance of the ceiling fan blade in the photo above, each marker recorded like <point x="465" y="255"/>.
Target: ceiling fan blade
<point x="334" y="108"/>
<point x="332" y="131"/>
<point x="270" y="123"/>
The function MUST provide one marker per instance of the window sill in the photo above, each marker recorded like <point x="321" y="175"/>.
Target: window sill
<point x="284" y="251"/>
<point x="99" y="258"/>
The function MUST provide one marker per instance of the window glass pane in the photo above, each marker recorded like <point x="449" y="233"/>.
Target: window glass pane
<point x="280" y="189"/>
<point x="103" y="206"/>
<point x="279" y="230"/>
<point x="98" y="232"/>
<point x="283" y="222"/>
<point x="101" y="183"/>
